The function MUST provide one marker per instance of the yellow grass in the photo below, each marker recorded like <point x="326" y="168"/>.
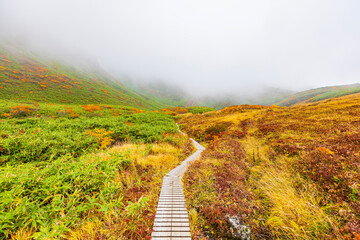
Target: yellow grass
<point x="291" y="202"/>
<point x="22" y="234"/>
<point x="159" y="155"/>
<point x="161" y="158"/>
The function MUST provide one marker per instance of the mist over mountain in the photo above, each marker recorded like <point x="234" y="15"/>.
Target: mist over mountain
<point x="167" y="93"/>
<point x="206" y="48"/>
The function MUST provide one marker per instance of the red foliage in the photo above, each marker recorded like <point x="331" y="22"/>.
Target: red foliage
<point x="231" y="196"/>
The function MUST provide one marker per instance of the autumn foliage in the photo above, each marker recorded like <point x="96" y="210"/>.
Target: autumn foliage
<point x="24" y="77"/>
<point x="63" y="177"/>
<point x="104" y="137"/>
<point x="19" y="111"/>
<point x="242" y="108"/>
<point x="226" y="194"/>
<point x="69" y="111"/>
<point x="174" y="110"/>
<point x="91" y="108"/>
<point x="311" y="146"/>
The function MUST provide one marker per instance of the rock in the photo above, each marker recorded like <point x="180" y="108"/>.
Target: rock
<point x="239" y="230"/>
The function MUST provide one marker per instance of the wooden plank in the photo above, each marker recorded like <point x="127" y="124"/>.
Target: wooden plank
<point x="172" y="220"/>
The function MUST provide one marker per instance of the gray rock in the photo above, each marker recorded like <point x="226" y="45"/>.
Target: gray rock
<point x="239" y="230"/>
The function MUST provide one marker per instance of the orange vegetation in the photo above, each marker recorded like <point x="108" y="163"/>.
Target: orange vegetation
<point x="135" y="110"/>
<point x="71" y="112"/>
<point x="20" y="110"/>
<point x="91" y="108"/>
<point x="242" y="108"/>
<point x="104" y="137"/>
<point x="174" y="110"/>
<point x="305" y="156"/>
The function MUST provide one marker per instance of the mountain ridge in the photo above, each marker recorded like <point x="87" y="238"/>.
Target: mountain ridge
<point x="25" y="76"/>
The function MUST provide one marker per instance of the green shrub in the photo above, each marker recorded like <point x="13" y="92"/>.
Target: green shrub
<point x="196" y="110"/>
<point x="52" y="196"/>
<point x="43" y="139"/>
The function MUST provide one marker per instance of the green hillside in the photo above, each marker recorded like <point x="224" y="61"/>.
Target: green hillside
<point x="161" y="91"/>
<point x="319" y="94"/>
<point x="25" y="77"/>
<point x="78" y="147"/>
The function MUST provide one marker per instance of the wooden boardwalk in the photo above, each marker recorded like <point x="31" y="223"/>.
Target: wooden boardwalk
<point x="172" y="220"/>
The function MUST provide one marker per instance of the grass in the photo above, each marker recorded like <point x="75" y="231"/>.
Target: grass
<point x="90" y="165"/>
<point x="142" y="183"/>
<point x="338" y="93"/>
<point x="200" y="110"/>
<point x="185" y="110"/>
<point x="299" y="174"/>
<point x="39" y="138"/>
<point x="111" y="193"/>
<point x="81" y="157"/>
<point x="83" y="171"/>
<point x="292" y="203"/>
<point x="319" y="94"/>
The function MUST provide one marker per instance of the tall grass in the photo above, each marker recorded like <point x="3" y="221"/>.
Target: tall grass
<point x="301" y="169"/>
<point x="93" y="173"/>
<point x="292" y="203"/>
<point x="44" y="139"/>
<point x="109" y="194"/>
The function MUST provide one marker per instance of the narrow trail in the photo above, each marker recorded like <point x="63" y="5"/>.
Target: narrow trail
<point x="172" y="220"/>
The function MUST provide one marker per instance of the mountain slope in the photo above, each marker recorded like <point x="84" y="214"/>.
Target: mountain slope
<point x="314" y="95"/>
<point x="27" y="77"/>
<point x="292" y="172"/>
<point x="160" y="91"/>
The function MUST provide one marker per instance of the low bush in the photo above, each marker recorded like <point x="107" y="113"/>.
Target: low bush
<point x="43" y="139"/>
<point x="200" y="110"/>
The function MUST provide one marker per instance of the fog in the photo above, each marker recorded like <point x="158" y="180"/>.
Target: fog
<point x="204" y="46"/>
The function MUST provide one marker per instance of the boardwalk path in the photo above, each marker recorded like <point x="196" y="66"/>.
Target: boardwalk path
<point x="171" y="220"/>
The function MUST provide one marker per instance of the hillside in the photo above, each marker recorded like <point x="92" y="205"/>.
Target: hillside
<point x="78" y="149"/>
<point x="292" y="173"/>
<point x="275" y="96"/>
<point x="24" y="76"/>
<point x="81" y="153"/>
<point x="318" y="94"/>
<point x="160" y="91"/>
<point x="74" y="169"/>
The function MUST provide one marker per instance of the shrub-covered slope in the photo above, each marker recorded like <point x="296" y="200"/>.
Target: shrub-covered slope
<point x="280" y="172"/>
<point x="319" y="94"/>
<point x="25" y="77"/>
<point x="83" y="171"/>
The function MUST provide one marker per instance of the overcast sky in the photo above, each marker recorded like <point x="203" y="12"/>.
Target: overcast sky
<point x="206" y="46"/>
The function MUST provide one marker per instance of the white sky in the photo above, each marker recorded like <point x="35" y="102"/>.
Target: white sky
<point x="205" y="46"/>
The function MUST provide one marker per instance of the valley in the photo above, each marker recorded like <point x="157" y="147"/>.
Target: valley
<point x="83" y="156"/>
<point x="179" y="120"/>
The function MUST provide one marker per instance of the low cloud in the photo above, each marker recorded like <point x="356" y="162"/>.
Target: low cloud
<point x="205" y="47"/>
